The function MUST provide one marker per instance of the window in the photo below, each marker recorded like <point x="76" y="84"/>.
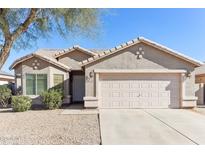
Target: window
<point x="58" y="81"/>
<point x="30" y="84"/>
<point x="41" y="83"/>
<point x="36" y="84"/>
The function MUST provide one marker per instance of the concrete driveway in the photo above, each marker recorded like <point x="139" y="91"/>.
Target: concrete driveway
<point x="151" y="126"/>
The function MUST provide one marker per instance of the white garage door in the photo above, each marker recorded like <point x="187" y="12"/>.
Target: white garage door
<point x="139" y="90"/>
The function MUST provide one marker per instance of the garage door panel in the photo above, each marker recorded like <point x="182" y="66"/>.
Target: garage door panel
<point x="165" y="94"/>
<point x="105" y="85"/>
<point x="135" y="85"/>
<point x="139" y="90"/>
<point x="115" y="85"/>
<point x="132" y="94"/>
<point x="126" y="85"/>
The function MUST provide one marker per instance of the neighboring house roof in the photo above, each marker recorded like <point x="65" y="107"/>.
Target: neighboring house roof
<point x="6" y="76"/>
<point x="136" y="41"/>
<point x="44" y="54"/>
<point x="5" y="73"/>
<point x="76" y="47"/>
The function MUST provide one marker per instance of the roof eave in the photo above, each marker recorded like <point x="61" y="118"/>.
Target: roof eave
<point x="151" y="43"/>
<point x="20" y="60"/>
<point x="36" y="55"/>
<point x="170" y="51"/>
<point x="109" y="52"/>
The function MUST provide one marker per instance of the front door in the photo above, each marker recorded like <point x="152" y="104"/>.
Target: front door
<point x="78" y="88"/>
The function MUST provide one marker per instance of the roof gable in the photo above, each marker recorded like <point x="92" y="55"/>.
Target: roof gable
<point x="74" y="48"/>
<point x="43" y="57"/>
<point x="137" y="41"/>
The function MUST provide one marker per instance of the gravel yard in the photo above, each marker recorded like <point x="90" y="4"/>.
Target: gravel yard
<point x="48" y="127"/>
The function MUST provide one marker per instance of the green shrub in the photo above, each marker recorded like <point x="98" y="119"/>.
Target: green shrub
<point x="5" y="95"/>
<point x="21" y="103"/>
<point x="57" y="89"/>
<point x="52" y="99"/>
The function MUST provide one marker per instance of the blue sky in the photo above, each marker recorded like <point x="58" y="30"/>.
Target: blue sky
<point x="180" y="29"/>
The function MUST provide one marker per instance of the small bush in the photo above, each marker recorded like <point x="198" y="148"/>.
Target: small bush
<point x="52" y="99"/>
<point x="5" y="95"/>
<point x="57" y="89"/>
<point x="21" y="103"/>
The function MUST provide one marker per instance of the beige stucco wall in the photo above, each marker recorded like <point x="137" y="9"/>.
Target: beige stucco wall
<point x="152" y="59"/>
<point x="18" y="80"/>
<point x="200" y="93"/>
<point x="200" y="80"/>
<point x="73" y="58"/>
<point x="43" y="68"/>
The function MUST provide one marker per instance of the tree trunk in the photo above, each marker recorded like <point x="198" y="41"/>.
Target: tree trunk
<point x="4" y="53"/>
<point x="10" y="38"/>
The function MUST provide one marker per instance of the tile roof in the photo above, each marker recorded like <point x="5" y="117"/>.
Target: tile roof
<point x="75" y="47"/>
<point x="136" y="41"/>
<point x="51" y="55"/>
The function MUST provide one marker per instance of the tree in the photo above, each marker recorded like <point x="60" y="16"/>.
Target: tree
<point x="20" y="28"/>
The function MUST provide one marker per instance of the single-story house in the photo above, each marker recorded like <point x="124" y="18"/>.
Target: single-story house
<point x="137" y="74"/>
<point x="6" y="78"/>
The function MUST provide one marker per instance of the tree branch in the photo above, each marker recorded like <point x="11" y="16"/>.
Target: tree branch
<point x="11" y="37"/>
<point x="4" y="23"/>
<point x="24" y="26"/>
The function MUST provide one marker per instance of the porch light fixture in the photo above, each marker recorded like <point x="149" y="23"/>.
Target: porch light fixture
<point x="91" y="74"/>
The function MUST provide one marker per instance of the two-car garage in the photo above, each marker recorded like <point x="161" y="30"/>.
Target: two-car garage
<point x="140" y="74"/>
<point x="139" y="90"/>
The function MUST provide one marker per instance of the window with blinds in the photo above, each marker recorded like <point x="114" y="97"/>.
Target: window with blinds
<point x="30" y="84"/>
<point x="41" y="83"/>
<point x="36" y="84"/>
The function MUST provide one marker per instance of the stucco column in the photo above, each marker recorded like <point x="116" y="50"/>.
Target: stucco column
<point x="50" y="78"/>
<point x="183" y="78"/>
<point x="96" y="85"/>
<point x="200" y="93"/>
<point x="67" y="96"/>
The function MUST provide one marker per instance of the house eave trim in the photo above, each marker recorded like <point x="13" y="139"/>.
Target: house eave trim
<point x="20" y="60"/>
<point x="139" y="71"/>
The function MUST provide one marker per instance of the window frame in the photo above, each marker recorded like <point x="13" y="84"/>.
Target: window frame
<point x="36" y="81"/>
<point x="32" y="85"/>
